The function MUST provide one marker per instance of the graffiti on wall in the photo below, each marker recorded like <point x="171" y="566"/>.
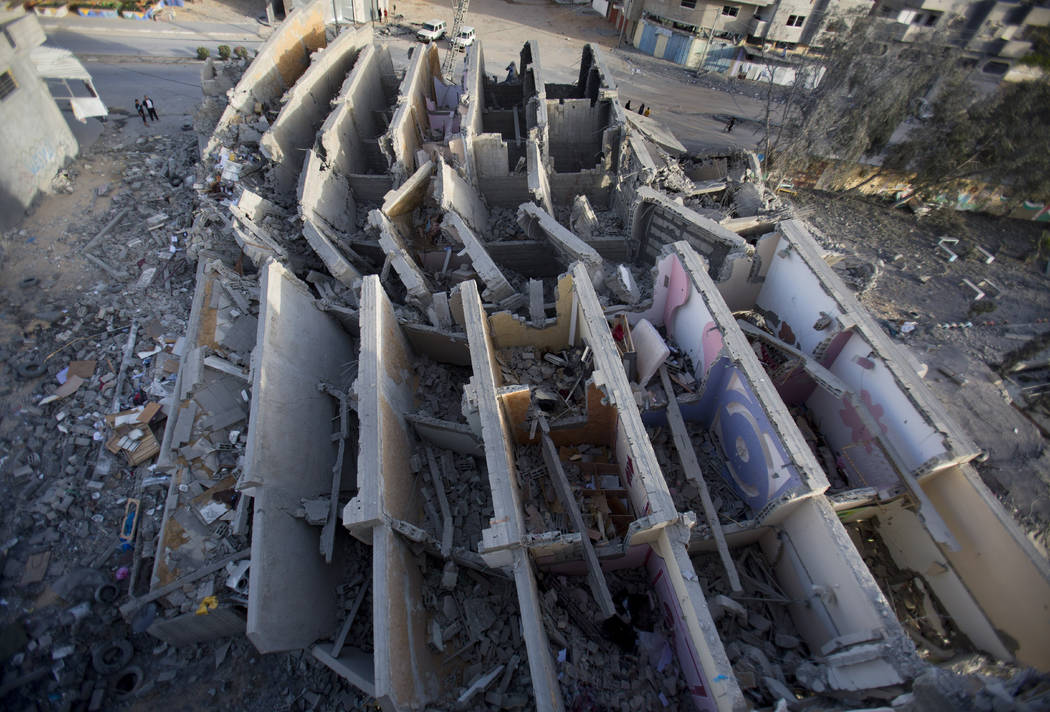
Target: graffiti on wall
<point x="41" y="157"/>
<point x="759" y="470"/>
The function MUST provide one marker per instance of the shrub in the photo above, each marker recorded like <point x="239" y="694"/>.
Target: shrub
<point x="203" y="53"/>
<point x="224" y="52"/>
<point x="240" y="52"/>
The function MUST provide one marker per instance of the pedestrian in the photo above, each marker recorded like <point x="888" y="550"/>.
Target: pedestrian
<point x="641" y="110"/>
<point x="384" y="15"/>
<point x="393" y="10"/>
<point x="647" y="111"/>
<point x="148" y="103"/>
<point x="627" y="106"/>
<point x="730" y="124"/>
<point x="142" y="111"/>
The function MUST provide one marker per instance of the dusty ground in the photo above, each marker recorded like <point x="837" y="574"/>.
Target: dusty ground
<point x="915" y="282"/>
<point x="71" y="309"/>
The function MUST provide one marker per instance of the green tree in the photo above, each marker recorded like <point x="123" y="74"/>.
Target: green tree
<point x="1002" y="139"/>
<point x="868" y="84"/>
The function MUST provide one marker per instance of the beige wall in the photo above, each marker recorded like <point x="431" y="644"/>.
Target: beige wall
<point x="705" y="14"/>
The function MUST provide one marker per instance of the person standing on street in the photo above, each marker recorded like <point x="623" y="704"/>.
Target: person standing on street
<point x="148" y="103"/>
<point x="142" y="111"/>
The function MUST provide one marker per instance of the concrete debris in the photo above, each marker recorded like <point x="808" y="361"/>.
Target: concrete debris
<point x="425" y="445"/>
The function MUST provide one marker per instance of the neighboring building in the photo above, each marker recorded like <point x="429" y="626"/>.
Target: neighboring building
<point x="36" y="140"/>
<point x="710" y="33"/>
<point x="992" y="33"/>
<point x="356" y="12"/>
<point x="744" y="39"/>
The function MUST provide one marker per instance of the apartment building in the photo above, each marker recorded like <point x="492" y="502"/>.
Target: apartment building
<point x="743" y="38"/>
<point x="993" y="34"/>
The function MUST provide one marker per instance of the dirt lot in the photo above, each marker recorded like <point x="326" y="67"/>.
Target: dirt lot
<point x="904" y="278"/>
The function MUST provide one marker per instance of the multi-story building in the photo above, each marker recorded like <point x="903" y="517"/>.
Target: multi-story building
<point x="991" y="33"/>
<point x="735" y="37"/>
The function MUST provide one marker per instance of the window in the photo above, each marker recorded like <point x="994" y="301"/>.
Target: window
<point x="7" y="85"/>
<point x="730" y="11"/>
<point x="931" y="19"/>
<point x="796" y="20"/>
<point x="691" y="4"/>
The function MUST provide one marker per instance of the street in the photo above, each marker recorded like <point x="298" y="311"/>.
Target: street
<point x="113" y="51"/>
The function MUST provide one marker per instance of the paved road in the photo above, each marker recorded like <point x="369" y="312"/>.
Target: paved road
<point x="143" y="38"/>
<point x="694" y="111"/>
<point x="128" y="59"/>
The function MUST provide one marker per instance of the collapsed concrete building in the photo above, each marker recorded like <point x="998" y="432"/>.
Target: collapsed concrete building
<point x="511" y="414"/>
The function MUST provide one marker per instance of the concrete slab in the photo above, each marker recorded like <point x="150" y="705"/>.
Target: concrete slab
<point x="288" y="457"/>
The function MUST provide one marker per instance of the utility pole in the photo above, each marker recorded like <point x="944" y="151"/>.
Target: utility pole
<point x="707" y="45"/>
<point x="623" y="22"/>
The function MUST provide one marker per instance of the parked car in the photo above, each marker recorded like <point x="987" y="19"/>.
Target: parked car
<point x="465" y="38"/>
<point x="432" y="31"/>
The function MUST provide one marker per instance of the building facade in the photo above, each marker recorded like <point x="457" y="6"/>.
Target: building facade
<point x="735" y="37"/>
<point x="36" y="141"/>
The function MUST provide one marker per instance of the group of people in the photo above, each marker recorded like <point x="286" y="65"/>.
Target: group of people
<point x="145" y="107"/>
<point x="643" y="109"/>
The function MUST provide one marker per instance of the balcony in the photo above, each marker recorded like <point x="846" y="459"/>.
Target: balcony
<point x="757" y="27"/>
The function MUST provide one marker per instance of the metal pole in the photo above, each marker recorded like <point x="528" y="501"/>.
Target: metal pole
<point x="623" y="23"/>
<point x="707" y="45"/>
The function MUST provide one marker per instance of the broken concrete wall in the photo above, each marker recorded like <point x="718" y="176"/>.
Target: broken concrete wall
<point x="278" y="64"/>
<point x="384" y="392"/>
<point x="307" y="104"/>
<point x="329" y="212"/>
<point x="407" y="671"/>
<point x="575" y="128"/>
<point x="916" y="440"/>
<point x="854" y="629"/>
<point x="36" y="141"/>
<point x="502" y="540"/>
<point x="656" y="219"/>
<point x="350" y="135"/>
<point x="410" y="121"/>
<point x="697" y="646"/>
<point x="534" y="258"/>
<point x="535" y="93"/>
<point x="992" y="550"/>
<point x="538" y="181"/>
<point x="596" y="184"/>
<point x="767" y="458"/>
<point x="636" y="168"/>
<point x="490" y="157"/>
<point x="472" y="84"/>
<point x="856" y="350"/>
<point x="452" y="192"/>
<point x="289" y="456"/>
<point x="537" y="223"/>
<point x="395" y="246"/>
<point x="639" y="467"/>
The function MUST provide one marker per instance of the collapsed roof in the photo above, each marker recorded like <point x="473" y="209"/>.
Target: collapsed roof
<point x="581" y="419"/>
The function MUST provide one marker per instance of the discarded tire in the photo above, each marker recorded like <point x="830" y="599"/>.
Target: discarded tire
<point x="107" y="593"/>
<point x="31" y="369"/>
<point x="109" y="657"/>
<point x="128" y="681"/>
